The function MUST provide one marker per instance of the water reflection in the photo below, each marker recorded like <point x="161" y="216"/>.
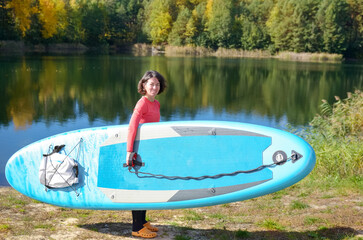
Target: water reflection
<point x="41" y="95"/>
<point x="48" y="89"/>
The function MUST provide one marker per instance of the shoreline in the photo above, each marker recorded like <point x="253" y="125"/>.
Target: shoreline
<point x="142" y="49"/>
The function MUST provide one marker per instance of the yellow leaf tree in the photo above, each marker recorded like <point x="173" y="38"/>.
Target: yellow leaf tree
<point x="52" y="16"/>
<point x="22" y="10"/>
<point x="159" y="21"/>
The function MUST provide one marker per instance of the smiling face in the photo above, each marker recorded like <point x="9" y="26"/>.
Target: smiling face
<point x="152" y="87"/>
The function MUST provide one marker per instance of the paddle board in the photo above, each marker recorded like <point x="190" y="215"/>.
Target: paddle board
<point x="181" y="164"/>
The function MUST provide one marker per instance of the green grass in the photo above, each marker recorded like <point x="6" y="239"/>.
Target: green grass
<point x="272" y="225"/>
<point x="279" y="194"/>
<point x="11" y="201"/>
<point x="298" y="205"/>
<point x="304" y="194"/>
<point x="218" y="216"/>
<point x="327" y="196"/>
<point x="83" y="213"/>
<point x="312" y="220"/>
<point x="44" y="226"/>
<point x="336" y="136"/>
<point x="4" y="227"/>
<point x="191" y="215"/>
<point x="220" y="225"/>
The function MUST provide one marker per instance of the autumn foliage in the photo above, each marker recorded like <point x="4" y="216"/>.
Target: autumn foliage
<point x="329" y="26"/>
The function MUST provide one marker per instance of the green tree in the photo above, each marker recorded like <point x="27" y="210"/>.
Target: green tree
<point x="253" y="18"/>
<point x="195" y="30"/>
<point x="306" y="38"/>
<point x="94" y="23"/>
<point x="356" y="29"/>
<point x="220" y="22"/>
<point x="122" y="25"/>
<point x="158" y="21"/>
<point x="179" y="33"/>
<point x="133" y="9"/>
<point x="74" y="31"/>
<point x="292" y="25"/>
<point x="333" y="17"/>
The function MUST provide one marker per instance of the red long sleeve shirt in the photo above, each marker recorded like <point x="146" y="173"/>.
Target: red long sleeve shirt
<point x="145" y="112"/>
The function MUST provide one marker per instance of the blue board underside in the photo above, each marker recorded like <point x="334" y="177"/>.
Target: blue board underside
<point x="201" y="159"/>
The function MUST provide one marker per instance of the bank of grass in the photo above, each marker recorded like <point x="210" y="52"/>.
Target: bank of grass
<point x="220" y="52"/>
<point x="337" y="138"/>
<point x="240" y="53"/>
<point x="143" y="49"/>
<point x="188" y="51"/>
<point x="310" y="57"/>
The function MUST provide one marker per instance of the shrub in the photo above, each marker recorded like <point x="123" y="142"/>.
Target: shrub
<point x="336" y="136"/>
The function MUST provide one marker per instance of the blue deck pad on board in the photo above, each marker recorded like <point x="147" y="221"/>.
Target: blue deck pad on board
<point x="185" y="156"/>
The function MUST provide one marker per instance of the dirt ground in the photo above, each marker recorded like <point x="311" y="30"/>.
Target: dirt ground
<point x="293" y="213"/>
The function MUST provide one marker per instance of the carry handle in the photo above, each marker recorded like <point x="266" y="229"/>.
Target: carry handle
<point x="134" y="160"/>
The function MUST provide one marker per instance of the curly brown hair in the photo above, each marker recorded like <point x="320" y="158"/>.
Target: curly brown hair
<point x="146" y="77"/>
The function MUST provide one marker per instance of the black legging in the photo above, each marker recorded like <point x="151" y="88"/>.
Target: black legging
<point x="138" y="219"/>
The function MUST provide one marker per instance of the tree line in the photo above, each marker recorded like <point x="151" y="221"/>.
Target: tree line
<point x="331" y="26"/>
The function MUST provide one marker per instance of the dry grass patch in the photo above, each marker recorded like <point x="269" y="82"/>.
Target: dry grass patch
<point x="310" y="57"/>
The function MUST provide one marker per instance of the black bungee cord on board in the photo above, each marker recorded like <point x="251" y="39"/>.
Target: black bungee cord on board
<point x="279" y="158"/>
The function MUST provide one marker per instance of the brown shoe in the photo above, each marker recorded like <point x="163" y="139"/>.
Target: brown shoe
<point x="150" y="227"/>
<point x="144" y="233"/>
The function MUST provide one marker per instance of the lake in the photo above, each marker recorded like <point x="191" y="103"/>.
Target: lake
<point x="45" y="95"/>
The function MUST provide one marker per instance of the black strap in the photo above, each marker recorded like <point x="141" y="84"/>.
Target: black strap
<point x="294" y="157"/>
<point x="56" y="149"/>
